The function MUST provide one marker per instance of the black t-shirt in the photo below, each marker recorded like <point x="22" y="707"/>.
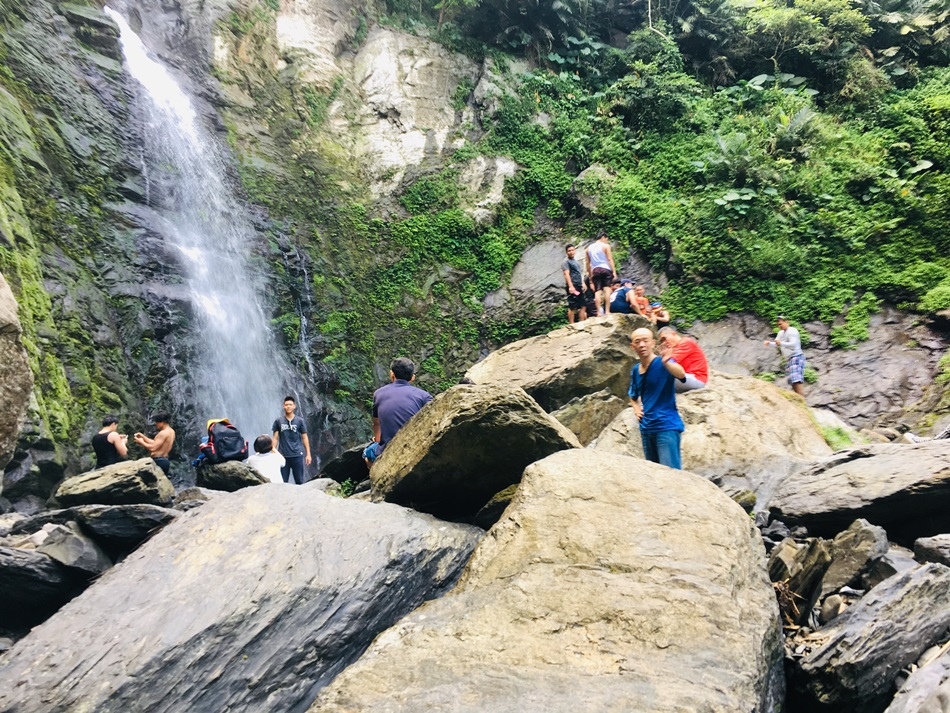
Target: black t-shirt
<point x="289" y="441"/>
<point x="106" y="453"/>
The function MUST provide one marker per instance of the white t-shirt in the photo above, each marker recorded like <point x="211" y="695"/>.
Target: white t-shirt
<point x="790" y="342"/>
<point x="268" y="465"/>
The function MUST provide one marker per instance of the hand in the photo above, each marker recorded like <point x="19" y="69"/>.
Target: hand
<point x="637" y="410"/>
<point x="307" y="459"/>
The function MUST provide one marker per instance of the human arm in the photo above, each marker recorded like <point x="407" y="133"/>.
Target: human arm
<point x="567" y="280"/>
<point x="632" y="301"/>
<point x="143" y="440"/>
<point x="274" y="441"/>
<point x="674" y="367"/>
<point x="634" y="393"/>
<point x="590" y="270"/>
<point x="610" y="259"/>
<point x="306" y="445"/>
<point x="121" y="443"/>
<point x="377" y="431"/>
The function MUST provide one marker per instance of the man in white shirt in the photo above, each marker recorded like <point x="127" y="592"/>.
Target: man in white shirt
<point x="266" y="460"/>
<point x="790" y="342"/>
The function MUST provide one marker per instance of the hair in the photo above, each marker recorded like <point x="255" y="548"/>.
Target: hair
<point x="290" y="398"/>
<point x="402" y="368"/>
<point x="109" y="420"/>
<point x="666" y="330"/>
<point x="161" y="416"/>
<point x="601" y="234"/>
<point x="568" y="246"/>
<point x="781" y="318"/>
<point x="263" y="444"/>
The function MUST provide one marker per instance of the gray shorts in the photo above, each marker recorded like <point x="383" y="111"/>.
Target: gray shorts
<point x="691" y="384"/>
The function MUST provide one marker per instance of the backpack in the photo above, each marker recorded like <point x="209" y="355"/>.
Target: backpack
<point x="225" y="443"/>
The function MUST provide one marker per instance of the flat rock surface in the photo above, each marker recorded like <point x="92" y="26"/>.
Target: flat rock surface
<point x="933" y="549"/>
<point x="228" y="476"/>
<point x="904" y="488"/>
<point x="250" y="603"/>
<point x="610" y="584"/>
<point x="138" y="481"/>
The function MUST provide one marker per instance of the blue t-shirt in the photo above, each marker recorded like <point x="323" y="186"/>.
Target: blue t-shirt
<point x="394" y="404"/>
<point x="618" y="301"/>
<point x="656" y="391"/>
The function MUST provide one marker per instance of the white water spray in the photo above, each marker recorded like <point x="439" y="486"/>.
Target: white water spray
<point x="237" y="369"/>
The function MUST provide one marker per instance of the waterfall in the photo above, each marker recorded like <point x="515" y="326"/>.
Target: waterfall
<point x="237" y="369"/>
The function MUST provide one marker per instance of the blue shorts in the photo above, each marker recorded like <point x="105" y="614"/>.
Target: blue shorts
<point x="371" y="452"/>
<point x="795" y="369"/>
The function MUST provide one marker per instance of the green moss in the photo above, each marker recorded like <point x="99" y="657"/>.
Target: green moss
<point x="836" y="437"/>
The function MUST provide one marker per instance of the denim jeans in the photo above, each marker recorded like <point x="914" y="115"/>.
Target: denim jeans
<point x="293" y="465"/>
<point x="662" y="447"/>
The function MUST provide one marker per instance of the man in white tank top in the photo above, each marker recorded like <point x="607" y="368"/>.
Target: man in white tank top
<point x="601" y="269"/>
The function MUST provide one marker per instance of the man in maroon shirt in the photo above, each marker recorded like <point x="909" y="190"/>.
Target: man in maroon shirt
<point x="689" y="355"/>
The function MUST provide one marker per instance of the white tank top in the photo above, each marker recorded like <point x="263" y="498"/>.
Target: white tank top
<point x="597" y="255"/>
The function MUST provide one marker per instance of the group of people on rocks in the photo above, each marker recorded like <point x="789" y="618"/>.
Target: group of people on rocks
<point x="110" y="446"/>
<point x="601" y="291"/>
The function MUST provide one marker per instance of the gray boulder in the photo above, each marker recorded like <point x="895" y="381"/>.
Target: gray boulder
<point x="933" y="549"/>
<point x="853" y="553"/>
<point x="586" y="416"/>
<point x="229" y="476"/>
<point x="71" y="548"/>
<point x="16" y="377"/>
<point x="567" y="363"/>
<point x="349" y="465"/>
<point x="611" y="584"/>
<point x="139" y="481"/>
<point x="851" y="664"/>
<point x="252" y="602"/>
<point x="471" y="442"/>
<point x="903" y="488"/>
<point x="32" y="586"/>
<point x="122" y="527"/>
<point x="927" y="690"/>
<point x="797" y="570"/>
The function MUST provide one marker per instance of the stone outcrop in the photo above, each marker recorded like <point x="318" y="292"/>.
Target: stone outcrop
<point x="853" y="553"/>
<point x="121" y="528"/>
<point x="32" y="586"/>
<point x="933" y="549"/>
<point x="903" y="488"/>
<point x="610" y="584"/>
<point x="927" y="690"/>
<point x="567" y="363"/>
<point x="798" y="568"/>
<point x="851" y="663"/>
<point x="252" y="602"/>
<point x="228" y="476"/>
<point x="741" y="432"/>
<point x="139" y="481"/>
<point x="587" y="416"/>
<point x="16" y="377"/>
<point x="71" y="548"/>
<point x="349" y="465"/>
<point x="468" y="444"/>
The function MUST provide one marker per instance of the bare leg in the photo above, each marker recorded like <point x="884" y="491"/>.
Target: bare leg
<point x="570" y="316"/>
<point x="799" y="388"/>
<point x="607" y="292"/>
<point x="583" y="314"/>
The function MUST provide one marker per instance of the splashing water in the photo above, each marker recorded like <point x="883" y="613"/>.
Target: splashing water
<point x="238" y="368"/>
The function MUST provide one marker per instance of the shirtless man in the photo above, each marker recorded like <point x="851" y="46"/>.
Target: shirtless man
<point x="160" y="446"/>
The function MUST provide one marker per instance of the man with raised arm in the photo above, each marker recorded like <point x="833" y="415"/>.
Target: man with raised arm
<point x="161" y="446"/>
<point x="790" y="342"/>
<point x="653" y="397"/>
<point x="393" y="405"/>
<point x="687" y="354"/>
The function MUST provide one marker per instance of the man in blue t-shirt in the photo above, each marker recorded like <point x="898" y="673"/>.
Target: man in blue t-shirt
<point x="290" y="439"/>
<point x="393" y="405"/>
<point x="652" y="395"/>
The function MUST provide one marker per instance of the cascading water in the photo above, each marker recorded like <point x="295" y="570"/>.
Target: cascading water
<point x="238" y="368"/>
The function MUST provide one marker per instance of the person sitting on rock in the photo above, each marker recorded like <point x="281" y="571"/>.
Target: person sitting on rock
<point x="642" y="302"/>
<point x="393" y="405"/>
<point x="687" y="352"/>
<point x="161" y="446"/>
<point x="653" y="397"/>
<point x="622" y="300"/>
<point x="109" y="445"/>
<point x="266" y="460"/>
<point x="661" y="315"/>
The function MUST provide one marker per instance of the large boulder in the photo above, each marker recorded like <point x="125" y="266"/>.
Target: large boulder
<point x="252" y="602"/>
<point x="468" y="444"/>
<point x="851" y="664"/>
<point x="121" y="528"/>
<point x="137" y="481"/>
<point x="904" y="488"/>
<point x="573" y="361"/>
<point x="16" y="377"/>
<point x="32" y="586"/>
<point x="71" y="548"/>
<point x="933" y="549"/>
<point x="741" y="432"/>
<point x="228" y="476"/>
<point x="587" y="416"/>
<point x="926" y="690"/>
<point x="611" y="584"/>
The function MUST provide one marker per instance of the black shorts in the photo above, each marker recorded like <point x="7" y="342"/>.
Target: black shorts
<point x="577" y="301"/>
<point x="601" y="277"/>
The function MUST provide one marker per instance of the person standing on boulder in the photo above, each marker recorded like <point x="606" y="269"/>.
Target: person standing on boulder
<point x="393" y="405"/>
<point x="790" y="342"/>
<point x="574" y="279"/>
<point x="109" y="445"/>
<point x="601" y="270"/>
<point x="653" y="397"/>
<point x="161" y="446"/>
<point x="290" y="439"/>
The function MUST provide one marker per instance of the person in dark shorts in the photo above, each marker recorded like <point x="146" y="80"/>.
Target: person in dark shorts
<point x="109" y="445"/>
<point x="602" y="271"/>
<point x="161" y="446"/>
<point x="290" y="439"/>
<point x="393" y="405"/>
<point x="573" y="278"/>
<point x="590" y="297"/>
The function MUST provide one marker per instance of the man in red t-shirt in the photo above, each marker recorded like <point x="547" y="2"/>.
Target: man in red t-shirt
<point x="687" y="354"/>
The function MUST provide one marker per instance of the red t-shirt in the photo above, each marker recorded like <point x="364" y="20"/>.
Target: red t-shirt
<point x="688" y="355"/>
